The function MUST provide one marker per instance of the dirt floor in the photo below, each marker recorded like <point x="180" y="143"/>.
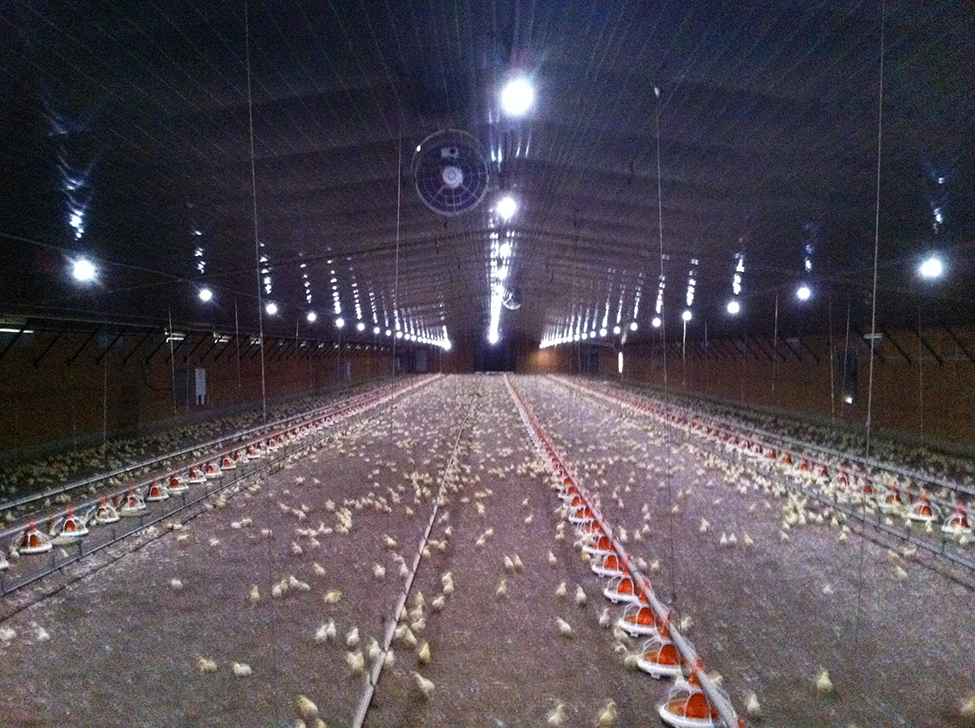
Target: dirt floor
<point x="123" y="645"/>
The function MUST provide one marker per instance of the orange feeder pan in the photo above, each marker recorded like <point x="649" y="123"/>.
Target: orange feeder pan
<point x="33" y="541"/>
<point x="686" y="706"/>
<point x="602" y="546"/>
<point x="621" y="589"/>
<point x="177" y="484"/>
<point x="157" y="493"/>
<point x="958" y="524"/>
<point x="582" y="514"/>
<point x="923" y="510"/>
<point x="70" y="528"/>
<point x="132" y="504"/>
<point x="659" y="657"/>
<point x="196" y="476"/>
<point x="638" y="620"/>
<point x="212" y="471"/>
<point x="105" y="513"/>
<point x="609" y="565"/>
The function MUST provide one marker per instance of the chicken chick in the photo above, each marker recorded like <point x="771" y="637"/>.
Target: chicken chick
<point x="306" y="709"/>
<point x="824" y="686"/>
<point x="608" y="716"/>
<point x="557" y="716"/>
<point x="426" y="686"/>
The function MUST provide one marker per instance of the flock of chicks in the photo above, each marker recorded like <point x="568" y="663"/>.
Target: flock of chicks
<point x="763" y="477"/>
<point x="461" y="487"/>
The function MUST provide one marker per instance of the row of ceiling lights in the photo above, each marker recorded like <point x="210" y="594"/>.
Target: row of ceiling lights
<point x="930" y="268"/>
<point x="84" y="271"/>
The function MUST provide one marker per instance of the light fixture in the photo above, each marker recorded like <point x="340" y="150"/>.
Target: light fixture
<point x="734" y="307"/>
<point x="83" y="270"/>
<point x="339" y="322"/>
<point x="506" y="207"/>
<point x="656" y="322"/>
<point x="493" y="338"/>
<point x="271" y="308"/>
<point x="602" y="332"/>
<point x="517" y="97"/>
<point x="360" y="326"/>
<point x="388" y="332"/>
<point x="505" y="250"/>
<point x="686" y="316"/>
<point x="803" y="292"/>
<point x="619" y="362"/>
<point x="312" y="317"/>
<point x="376" y="330"/>
<point x="205" y="295"/>
<point x="617" y="330"/>
<point x="848" y="399"/>
<point x="932" y="267"/>
<point x="633" y="326"/>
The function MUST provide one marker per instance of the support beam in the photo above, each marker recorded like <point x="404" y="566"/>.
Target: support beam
<point x="84" y="346"/>
<point x="13" y="340"/>
<point x="929" y="348"/>
<point x="792" y="349"/>
<point x="121" y="333"/>
<point x="960" y="345"/>
<point x="897" y="346"/>
<point x="39" y="357"/>
<point x="125" y="359"/>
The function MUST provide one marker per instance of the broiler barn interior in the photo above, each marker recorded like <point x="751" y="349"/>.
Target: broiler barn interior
<point x="491" y="363"/>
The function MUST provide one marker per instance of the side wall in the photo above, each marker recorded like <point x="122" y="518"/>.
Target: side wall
<point x="62" y="388"/>
<point x="921" y="387"/>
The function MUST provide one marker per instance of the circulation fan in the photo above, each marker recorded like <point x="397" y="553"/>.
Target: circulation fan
<point x="449" y="172"/>
<point x="512" y="299"/>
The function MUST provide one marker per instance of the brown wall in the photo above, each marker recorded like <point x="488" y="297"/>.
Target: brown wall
<point x="914" y="390"/>
<point x="75" y="387"/>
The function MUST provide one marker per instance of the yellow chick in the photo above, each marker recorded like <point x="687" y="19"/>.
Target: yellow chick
<point x="424" y="653"/>
<point x="565" y="629"/>
<point x="426" y="686"/>
<point x="502" y="590"/>
<point x="255" y="595"/>
<point x="557" y="716"/>
<point x="824" y="686"/>
<point x="306" y="709"/>
<point x="608" y="716"/>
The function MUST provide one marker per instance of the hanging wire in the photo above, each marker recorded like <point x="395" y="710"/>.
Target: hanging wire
<point x="257" y="244"/>
<point x="272" y="621"/>
<point x="663" y="338"/>
<point x="832" y="363"/>
<point x="873" y="328"/>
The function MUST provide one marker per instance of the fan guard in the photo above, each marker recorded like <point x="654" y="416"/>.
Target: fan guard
<point x="512" y="299"/>
<point x="449" y="172"/>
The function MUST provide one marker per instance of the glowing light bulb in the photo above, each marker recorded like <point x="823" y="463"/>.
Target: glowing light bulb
<point x="686" y="316"/>
<point x="205" y="295"/>
<point x="83" y="270"/>
<point x="507" y="207"/>
<point x="733" y="307"/>
<point x="517" y="97"/>
<point x="339" y="322"/>
<point x="312" y="317"/>
<point x="803" y="292"/>
<point x="271" y="308"/>
<point x="931" y="268"/>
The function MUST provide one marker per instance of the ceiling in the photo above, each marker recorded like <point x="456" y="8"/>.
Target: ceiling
<point x="181" y="132"/>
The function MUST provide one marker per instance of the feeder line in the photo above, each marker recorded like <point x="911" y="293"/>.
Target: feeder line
<point x="380" y="662"/>
<point x="663" y="612"/>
